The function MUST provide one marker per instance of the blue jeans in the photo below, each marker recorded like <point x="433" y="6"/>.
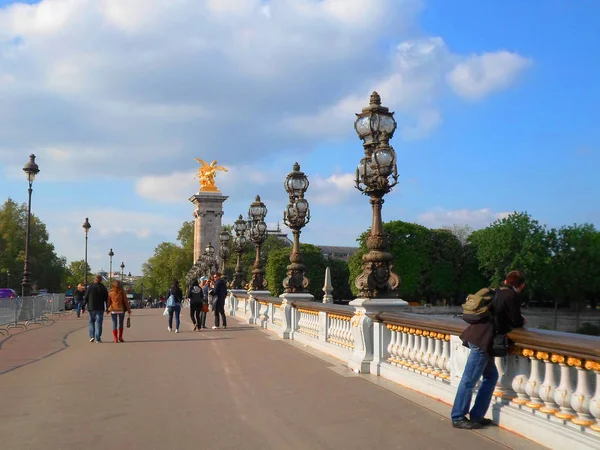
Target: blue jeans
<point x="78" y="308"/>
<point x="478" y="364"/>
<point x="96" y="318"/>
<point x="176" y="310"/>
<point x="121" y="319"/>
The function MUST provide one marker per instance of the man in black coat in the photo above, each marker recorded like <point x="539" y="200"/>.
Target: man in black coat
<point x="95" y="299"/>
<point x="220" y="292"/>
<point x="479" y="337"/>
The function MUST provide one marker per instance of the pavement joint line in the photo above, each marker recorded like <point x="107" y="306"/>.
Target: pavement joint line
<point x="413" y="396"/>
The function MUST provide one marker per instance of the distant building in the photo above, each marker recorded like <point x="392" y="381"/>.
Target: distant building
<point x="335" y="252"/>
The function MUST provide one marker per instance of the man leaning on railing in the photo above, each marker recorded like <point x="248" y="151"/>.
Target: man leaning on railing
<point x="479" y="337"/>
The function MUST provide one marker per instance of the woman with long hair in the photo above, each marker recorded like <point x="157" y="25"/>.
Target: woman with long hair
<point x="174" y="299"/>
<point x="117" y="305"/>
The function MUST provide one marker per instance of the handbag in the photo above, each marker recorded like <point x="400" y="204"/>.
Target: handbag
<point x="166" y="312"/>
<point x="205" y="307"/>
<point x="171" y="301"/>
<point x="128" y="322"/>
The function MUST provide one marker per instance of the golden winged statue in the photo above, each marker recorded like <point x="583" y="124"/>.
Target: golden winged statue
<point x="206" y="174"/>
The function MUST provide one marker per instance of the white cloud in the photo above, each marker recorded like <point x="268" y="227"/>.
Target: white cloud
<point x="480" y="75"/>
<point x="152" y="83"/>
<point x="478" y="218"/>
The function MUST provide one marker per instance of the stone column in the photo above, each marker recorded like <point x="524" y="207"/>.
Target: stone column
<point x="208" y="210"/>
<point x="362" y="329"/>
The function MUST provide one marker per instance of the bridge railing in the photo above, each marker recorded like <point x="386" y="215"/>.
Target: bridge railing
<point x="23" y="312"/>
<point x="549" y="384"/>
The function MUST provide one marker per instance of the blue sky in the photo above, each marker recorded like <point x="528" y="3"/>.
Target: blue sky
<point x="495" y="103"/>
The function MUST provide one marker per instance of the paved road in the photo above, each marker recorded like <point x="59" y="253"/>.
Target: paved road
<point x="227" y="389"/>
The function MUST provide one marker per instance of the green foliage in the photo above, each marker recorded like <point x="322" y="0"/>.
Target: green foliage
<point x="75" y="274"/>
<point x="47" y="268"/>
<point x="314" y="261"/>
<point x="249" y="255"/>
<point x="340" y="276"/>
<point x="170" y="261"/>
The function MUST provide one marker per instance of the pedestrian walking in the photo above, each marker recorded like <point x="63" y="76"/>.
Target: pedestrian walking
<point x="78" y="298"/>
<point x="117" y="305"/>
<point x="501" y="314"/>
<point x="174" y="299"/>
<point x="196" y="297"/>
<point x="204" y="285"/>
<point x="220" y="293"/>
<point x="95" y="298"/>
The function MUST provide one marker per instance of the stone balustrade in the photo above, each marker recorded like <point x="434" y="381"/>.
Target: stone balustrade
<point x="549" y="385"/>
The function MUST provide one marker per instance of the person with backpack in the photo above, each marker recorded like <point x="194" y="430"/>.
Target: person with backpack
<point x="196" y="297"/>
<point x="491" y="314"/>
<point x="174" y="299"/>
<point x="220" y="294"/>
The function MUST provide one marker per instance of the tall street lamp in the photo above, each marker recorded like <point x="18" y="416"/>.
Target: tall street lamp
<point x="31" y="169"/>
<point x="142" y="291"/>
<point x="110" y="255"/>
<point x="122" y="269"/>
<point x="224" y="251"/>
<point x="258" y="235"/>
<point x="86" y="226"/>
<point x="296" y="216"/>
<point x="239" y="245"/>
<point x="376" y="175"/>
<point x="211" y="262"/>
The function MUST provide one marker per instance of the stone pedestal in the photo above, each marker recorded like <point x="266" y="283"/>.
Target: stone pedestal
<point x="253" y="320"/>
<point x="362" y="329"/>
<point x="233" y="301"/>
<point x="287" y="330"/>
<point x="208" y="210"/>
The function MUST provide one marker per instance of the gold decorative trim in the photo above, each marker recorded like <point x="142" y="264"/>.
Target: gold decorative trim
<point x="527" y="352"/>
<point x="519" y="401"/>
<point x="564" y="416"/>
<point x="542" y="355"/>
<point x="308" y="311"/>
<point x="583" y="422"/>
<point x="533" y="405"/>
<point x="549" y="410"/>
<point x="596" y="427"/>
<point x="557" y="359"/>
<point x="592" y="365"/>
<point x="339" y="317"/>
<point x="574" y="362"/>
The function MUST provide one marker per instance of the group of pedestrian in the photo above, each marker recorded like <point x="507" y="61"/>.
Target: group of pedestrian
<point x="201" y="294"/>
<point x="98" y="300"/>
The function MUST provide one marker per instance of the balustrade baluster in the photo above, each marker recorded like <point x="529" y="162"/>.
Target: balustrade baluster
<point x="532" y="387"/>
<point x="430" y="353"/>
<point x="548" y="386"/>
<point x="446" y="355"/>
<point x="414" y="350"/>
<point x="422" y="352"/>
<point x="562" y="394"/>
<point x="402" y="351"/>
<point x="437" y="354"/>
<point x="580" y="399"/>
<point x="595" y="401"/>
<point x="392" y="344"/>
<point x="519" y="381"/>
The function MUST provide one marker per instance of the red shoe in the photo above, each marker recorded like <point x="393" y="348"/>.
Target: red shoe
<point x="121" y="335"/>
<point x="115" y="338"/>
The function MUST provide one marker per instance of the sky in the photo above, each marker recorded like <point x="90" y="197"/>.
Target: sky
<point x="495" y="103"/>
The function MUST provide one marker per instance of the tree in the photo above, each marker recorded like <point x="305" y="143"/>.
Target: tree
<point x="340" y="277"/>
<point x="47" y="268"/>
<point x="515" y="242"/>
<point x="312" y="258"/>
<point x="75" y="273"/>
<point x="462" y="232"/>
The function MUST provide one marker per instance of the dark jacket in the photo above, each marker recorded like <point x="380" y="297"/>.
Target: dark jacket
<point x="177" y="293"/>
<point x="508" y="312"/>
<point x="195" y="295"/>
<point x="95" y="297"/>
<point x="220" y="289"/>
<point x="78" y="296"/>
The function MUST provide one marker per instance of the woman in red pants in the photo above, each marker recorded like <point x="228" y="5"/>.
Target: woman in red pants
<point x="117" y="305"/>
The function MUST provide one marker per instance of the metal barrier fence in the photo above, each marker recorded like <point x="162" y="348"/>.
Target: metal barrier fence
<point x="22" y="312"/>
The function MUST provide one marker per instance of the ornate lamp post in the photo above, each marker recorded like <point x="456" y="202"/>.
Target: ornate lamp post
<point x="258" y="235"/>
<point x="122" y="269"/>
<point x="239" y="245"/>
<point x="296" y="216"/>
<point x="110" y="255"/>
<point x="31" y="169"/>
<point x="376" y="175"/>
<point x="86" y="226"/>
<point x="211" y="262"/>
<point x="224" y="251"/>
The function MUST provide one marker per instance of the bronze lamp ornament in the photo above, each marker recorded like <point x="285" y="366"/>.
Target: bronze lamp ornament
<point x="258" y="235"/>
<point x="376" y="175"/>
<point x="295" y="217"/>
